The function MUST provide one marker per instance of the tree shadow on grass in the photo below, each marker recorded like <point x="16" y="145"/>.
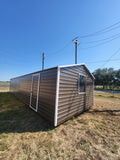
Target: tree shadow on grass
<point x="115" y="96"/>
<point x="16" y="117"/>
<point x="111" y="112"/>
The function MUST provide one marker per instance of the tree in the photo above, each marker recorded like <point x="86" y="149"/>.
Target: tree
<point x="118" y="77"/>
<point x="107" y="77"/>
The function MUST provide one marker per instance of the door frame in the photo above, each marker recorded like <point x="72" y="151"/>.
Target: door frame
<point x="37" y="74"/>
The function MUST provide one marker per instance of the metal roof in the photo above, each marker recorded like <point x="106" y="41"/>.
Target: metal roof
<point x="82" y="64"/>
<point x="59" y="67"/>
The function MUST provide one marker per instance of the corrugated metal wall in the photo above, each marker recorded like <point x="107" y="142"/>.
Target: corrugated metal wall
<point x="71" y="103"/>
<point x="47" y="94"/>
<point x="34" y="91"/>
<point x="21" y="88"/>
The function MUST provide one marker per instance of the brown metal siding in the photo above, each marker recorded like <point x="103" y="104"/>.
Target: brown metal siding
<point x="47" y="94"/>
<point x="21" y="88"/>
<point x="34" y="90"/>
<point x="71" y="103"/>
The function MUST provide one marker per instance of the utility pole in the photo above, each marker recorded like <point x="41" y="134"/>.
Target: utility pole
<point x="76" y="44"/>
<point x="43" y="57"/>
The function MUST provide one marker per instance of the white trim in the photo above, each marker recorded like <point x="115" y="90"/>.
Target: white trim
<point x="81" y="92"/>
<point x="82" y="64"/>
<point x="38" y="93"/>
<point x="80" y="74"/>
<point x="93" y="94"/>
<point x="59" y="67"/>
<point x="31" y="91"/>
<point x="37" y="74"/>
<point x="72" y="65"/>
<point x="33" y="108"/>
<point x="57" y="96"/>
<point x="34" y="72"/>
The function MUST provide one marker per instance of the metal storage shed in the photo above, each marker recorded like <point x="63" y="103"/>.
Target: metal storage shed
<point x="58" y="93"/>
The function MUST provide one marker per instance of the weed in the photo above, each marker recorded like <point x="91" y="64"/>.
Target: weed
<point x="85" y="147"/>
<point x="83" y="121"/>
<point x="115" y="149"/>
<point x="84" y="127"/>
<point x="3" y="145"/>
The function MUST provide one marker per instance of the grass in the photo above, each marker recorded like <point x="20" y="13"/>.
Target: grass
<point x="95" y="134"/>
<point x="4" y="83"/>
<point x="100" y="87"/>
<point x="107" y="95"/>
<point x="4" y="86"/>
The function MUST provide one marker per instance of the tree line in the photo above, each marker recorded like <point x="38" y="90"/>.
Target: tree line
<point x="107" y="77"/>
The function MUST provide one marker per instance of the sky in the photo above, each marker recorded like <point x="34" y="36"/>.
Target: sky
<point x="30" y="27"/>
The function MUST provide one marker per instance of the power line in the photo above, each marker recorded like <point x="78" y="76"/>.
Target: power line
<point x="87" y="36"/>
<point x="57" y="51"/>
<point x="99" y="33"/>
<point x="99" y="44"/>
<point x="111" y="57"/>
<point x="107" y="29"/>
<point x="111" y="39"/>
<point x="88" y="42"/>
<point x="103" y="61"/>
<point x="86" y="62"/>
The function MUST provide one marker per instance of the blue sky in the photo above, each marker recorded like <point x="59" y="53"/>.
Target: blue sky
<point x="30" y="27"/>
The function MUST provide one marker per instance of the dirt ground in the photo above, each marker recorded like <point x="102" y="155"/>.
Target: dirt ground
<point x="93" y="135"/>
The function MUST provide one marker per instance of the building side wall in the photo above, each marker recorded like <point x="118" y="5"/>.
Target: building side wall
<point x="21" y="88"/>
<point x="47" y="94"/>
<point x="70" y="103"/>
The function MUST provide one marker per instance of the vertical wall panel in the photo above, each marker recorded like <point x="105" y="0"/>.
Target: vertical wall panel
<point x="34" y="91"/>
<point x="47" y="94"/>
<point x="71" y="103"/>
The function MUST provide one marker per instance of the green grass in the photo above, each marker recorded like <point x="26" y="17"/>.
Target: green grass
<point x="91" y="135"/>
<point x="17" y="117"/>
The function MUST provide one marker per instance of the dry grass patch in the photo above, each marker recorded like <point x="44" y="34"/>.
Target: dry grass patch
<point x="4" y="86"/>
<point x="94" y="134"/>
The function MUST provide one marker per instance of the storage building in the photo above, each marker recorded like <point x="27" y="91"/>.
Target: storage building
<point x="58" y="93"/>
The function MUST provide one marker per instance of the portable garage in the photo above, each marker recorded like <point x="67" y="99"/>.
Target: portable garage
<point x="58" y="93"/>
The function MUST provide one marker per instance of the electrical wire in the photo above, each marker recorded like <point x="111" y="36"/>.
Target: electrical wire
<point x="111" y="57"/>
<point x="103" y="43"/>
<point x="89" y="42"/>
<point x="102" y="31"/>
<point x="60" y="50"/>
<point x="99" y="33"/>
<point x="107" y="29"/>
<point x="103" y="61"/>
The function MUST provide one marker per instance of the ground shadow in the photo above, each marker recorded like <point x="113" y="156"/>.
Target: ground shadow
<point x="111" y="112"/>
<point x="116" y="96"/>
<point x="16" y="117"/>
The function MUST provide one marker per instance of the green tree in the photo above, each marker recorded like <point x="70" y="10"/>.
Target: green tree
<point x="107" y="77"/>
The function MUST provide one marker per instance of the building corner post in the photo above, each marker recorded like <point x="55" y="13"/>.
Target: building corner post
<point x="57" y="96"/>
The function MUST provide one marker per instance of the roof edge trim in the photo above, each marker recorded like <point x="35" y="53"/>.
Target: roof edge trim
<point x="82" y="64"/>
